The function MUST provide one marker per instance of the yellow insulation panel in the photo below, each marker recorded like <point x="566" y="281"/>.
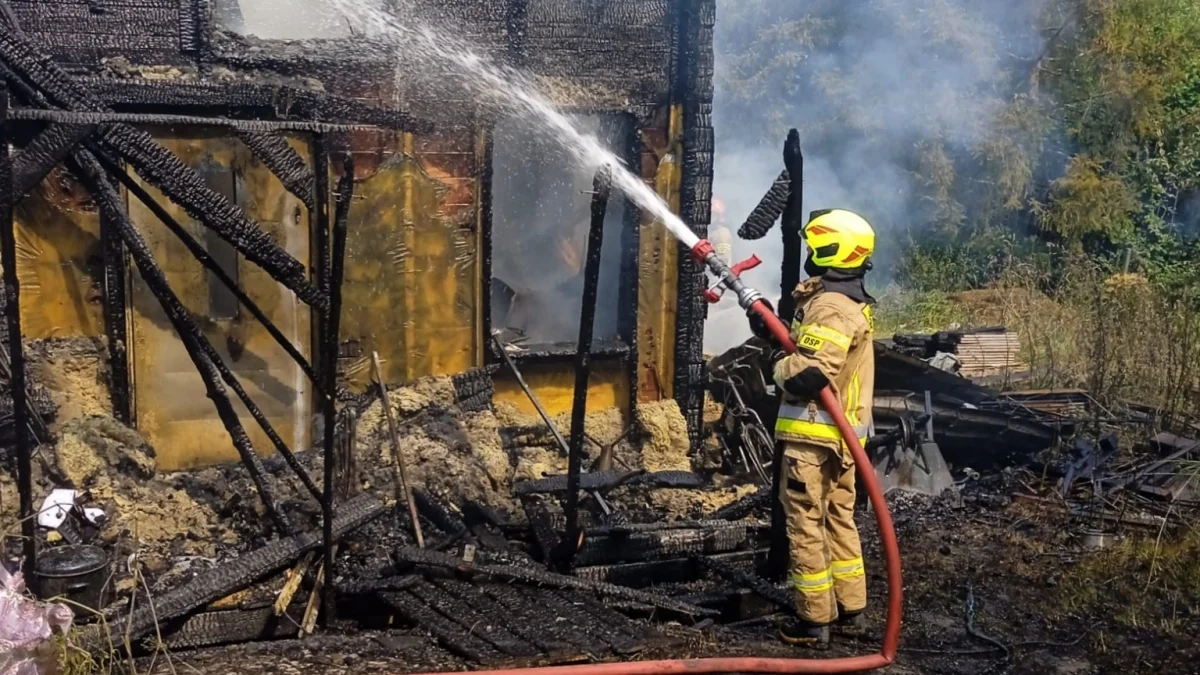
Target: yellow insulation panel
<point x="411" y="287"/>
<point x="172" y="407"/>
<point x="554" y="384"/>
<point x="59" y="260"/>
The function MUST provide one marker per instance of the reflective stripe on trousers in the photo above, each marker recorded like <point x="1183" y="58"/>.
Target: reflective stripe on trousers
<point x="812" y="422"/>
<point x="847" y="569"/>
<point x="817" y="582"/>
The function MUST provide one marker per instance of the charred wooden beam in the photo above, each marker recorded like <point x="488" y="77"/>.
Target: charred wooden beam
<point x="436" y="513"/>
<point x="210" y="629"/>
<point x="109" y="202"/>
<point x="289" y="167"/>
<point x="601" y="186"/>
<point x="542" y="525"/>
<point x="105" y="117"/>
<point x="491" y="629"/>
<point x="116" y="307"/>
<point x="16" y="344"/>
<point x="513" y="573"/>
<point x="451" y="635"/>
<point x="530" y="632"/>
<point x="330" y="326"/>
<point x="745" y="506"/>
<point x="792" y="225"/>
<point x="733" y="575"/>
<point x="624" y="636"/>
<point x="218" y="582"/>
<point x="47" y="150"/>
<point x="474" y="388"/>
<point x="669" y="571"/>
<point x="769" y="208"/>
<point x="606" y="480"/>
<point x="605" y="634"/>
<point x="553" y="637"/>
<point x="606" y="550"/>
<point x="282" y="102"/>
<point x="161" y="168"/>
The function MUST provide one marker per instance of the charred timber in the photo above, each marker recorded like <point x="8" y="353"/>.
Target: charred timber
<point x="745" y="506"/>
<point x="669" y="571"/>
<point x="512" y="573"/>
<point x="285" y="103"/>
<point x="737" y="577"/>
<point x="451" y="635"/>
<point x="47" y="150"/>
<point x="591" y="638"/>
<point x="542" y="524"/>
<point x="791" y="225"/>
<point x="553" y="637"/>
<point x="490" y="627"/>
<point x="116" y="307"/>
<point x="16" y="344"/>
<point x="601" y="186"/>
<point x="109" y="202"/>
<point x="769" y="209"/>
<point x="474" y="388"/>
<point x="640" y="546"/>
<point x="161" y="168"/>
<point x="606" y="480"/>
<point x="289" y="167"/>
<point x="435" y="512"/>
<point x="531" y="631"/>
<point x="210" y="629"/>
<point x="216" y="583"/>
<point x="106" y="118"/>
<point x="694" y="66"/>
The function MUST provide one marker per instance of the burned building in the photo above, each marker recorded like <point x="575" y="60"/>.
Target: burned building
<point x="179" y="170"/>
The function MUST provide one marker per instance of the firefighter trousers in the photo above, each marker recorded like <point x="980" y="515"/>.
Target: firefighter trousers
<point x="826" y="556"/>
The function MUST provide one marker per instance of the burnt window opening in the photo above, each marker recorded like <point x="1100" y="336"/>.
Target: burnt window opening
<point x="222" y="303"/>
<point x="541" y="214"/>
<point x="281" y="19"/>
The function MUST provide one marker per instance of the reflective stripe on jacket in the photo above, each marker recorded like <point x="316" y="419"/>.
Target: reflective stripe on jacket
<point x="835" y="334"/>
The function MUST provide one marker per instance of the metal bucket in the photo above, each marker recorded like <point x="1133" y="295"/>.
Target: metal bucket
<point x="75" y="573"/>
<point x="1096" y="539"/>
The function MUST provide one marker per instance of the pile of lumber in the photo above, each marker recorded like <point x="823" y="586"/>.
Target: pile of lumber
<point x="987" y="354"/>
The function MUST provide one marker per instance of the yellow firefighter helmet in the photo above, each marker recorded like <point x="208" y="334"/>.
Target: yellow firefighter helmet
<point x="839" y="239"/>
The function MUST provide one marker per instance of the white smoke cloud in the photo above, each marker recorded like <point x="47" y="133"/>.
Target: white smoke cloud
<point x="865" y="82"/>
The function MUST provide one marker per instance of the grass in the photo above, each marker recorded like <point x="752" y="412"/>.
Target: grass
<point x="1144" y="583"/>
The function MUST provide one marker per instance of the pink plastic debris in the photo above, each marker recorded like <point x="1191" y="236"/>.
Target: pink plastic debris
<point x="26" y="627"/>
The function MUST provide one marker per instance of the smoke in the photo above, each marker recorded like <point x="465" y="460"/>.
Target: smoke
<point x="885" y="94"/>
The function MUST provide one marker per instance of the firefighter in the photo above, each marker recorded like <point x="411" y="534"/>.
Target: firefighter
<point x="832" y="328"/>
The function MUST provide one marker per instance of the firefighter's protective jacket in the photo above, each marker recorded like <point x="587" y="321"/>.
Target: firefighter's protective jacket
<point x="833" y="334"/>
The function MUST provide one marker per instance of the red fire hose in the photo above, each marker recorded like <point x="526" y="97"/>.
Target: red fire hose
<point x="753" y="302"/>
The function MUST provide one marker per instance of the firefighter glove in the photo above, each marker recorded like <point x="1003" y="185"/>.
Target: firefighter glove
<point x="758" y="325"/>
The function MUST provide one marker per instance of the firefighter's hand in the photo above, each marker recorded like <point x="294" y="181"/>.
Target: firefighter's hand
<point x="758" y="325"/>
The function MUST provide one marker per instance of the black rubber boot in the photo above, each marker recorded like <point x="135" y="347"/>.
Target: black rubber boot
<point x="802" y="633"/>
<point x="852" y="624"/>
